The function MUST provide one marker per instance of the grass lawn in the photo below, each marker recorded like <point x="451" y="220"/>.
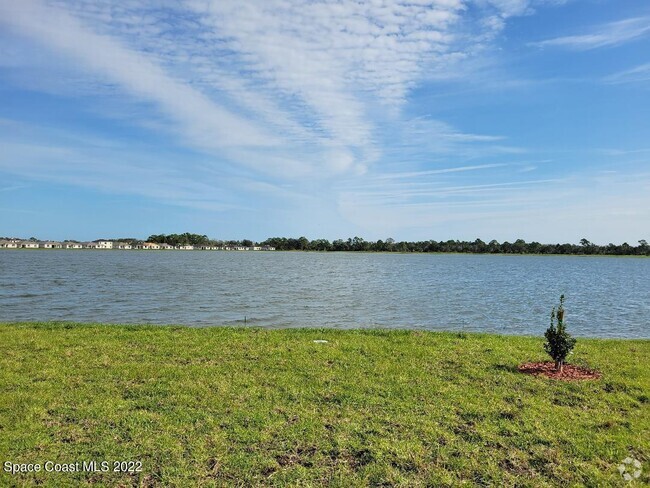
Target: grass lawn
<point x="250" y="407"/>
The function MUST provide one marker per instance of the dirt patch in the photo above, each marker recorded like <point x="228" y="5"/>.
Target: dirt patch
<point x="570" y="372"/>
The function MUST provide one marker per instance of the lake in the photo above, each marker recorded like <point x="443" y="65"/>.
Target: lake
<point x="605" y="296"/>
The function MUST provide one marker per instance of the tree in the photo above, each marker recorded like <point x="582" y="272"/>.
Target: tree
<point x="359" y="244"/>
<point x="340" y="245"/>
<point x="587" y="247"/>
<point x="559" y="342"/>
<point x="379" y="246"/>
<point x="478" y="246"/>
<point x="519" y="246"/>
<point x="320" y="245"/>
<point x="303" y="243"/>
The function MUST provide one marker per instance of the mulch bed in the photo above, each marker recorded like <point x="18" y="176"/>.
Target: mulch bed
<point x="570" y="372"/>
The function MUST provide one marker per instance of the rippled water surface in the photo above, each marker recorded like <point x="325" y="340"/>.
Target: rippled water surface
<point x="606" y="297"/>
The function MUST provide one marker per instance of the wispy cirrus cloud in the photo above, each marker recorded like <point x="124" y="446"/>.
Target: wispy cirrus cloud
<point x="604" y="35"/>
<point x="497" y="210"/>
<point x="13" y="188"/>
<point x="456" y="169"/>
<point x="43" y="154"/>
<point x="136" y="73"/>
<point x="637" y="74"/>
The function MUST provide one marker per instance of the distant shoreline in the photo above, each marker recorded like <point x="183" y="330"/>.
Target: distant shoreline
<point x="194" y="242"/>
<point x="308" y="251"/>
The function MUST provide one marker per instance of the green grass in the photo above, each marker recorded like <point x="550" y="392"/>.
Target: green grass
<point x="250" y="407"/>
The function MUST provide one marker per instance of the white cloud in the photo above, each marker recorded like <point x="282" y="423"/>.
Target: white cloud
<point x="458" y="169"/>
<point x="205" y="122"/>
<point x="637" y="74"/>
<point x="604" y="35"/>
<point x="509" y="8"/>
<point x="334" y="61"/>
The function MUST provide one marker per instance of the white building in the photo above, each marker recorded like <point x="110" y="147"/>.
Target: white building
<point x="122" y="245"/>
<point x="29" y="244"/>
<point x="104" y="245"/>
<point x="50" y="245"/>
<point x="4" y="244"/>
<point x="149" y="245"/>
<point x="72" y="245"/>
<point x="185" y="248"/>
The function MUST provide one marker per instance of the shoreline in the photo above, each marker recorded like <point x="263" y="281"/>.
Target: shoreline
<point x="400" y="253"/>
<point x="372" y="330"/>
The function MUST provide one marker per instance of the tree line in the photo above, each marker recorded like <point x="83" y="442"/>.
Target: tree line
<point x="478" y="246"/>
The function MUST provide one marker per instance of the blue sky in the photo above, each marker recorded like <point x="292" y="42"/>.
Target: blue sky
<point x="411" y="119"/>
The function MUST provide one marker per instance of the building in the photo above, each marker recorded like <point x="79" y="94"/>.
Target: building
<point x="50" y="245"/>
<point x="13" y="243"/>
<point x="149" y="245"/>
<point x="28" y="244"/>
<point x="4" y="244"/>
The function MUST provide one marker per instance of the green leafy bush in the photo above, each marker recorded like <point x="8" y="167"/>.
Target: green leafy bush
<point x="559" y="342"/>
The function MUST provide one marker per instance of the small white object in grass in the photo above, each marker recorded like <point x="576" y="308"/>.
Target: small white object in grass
<point x="630" y="469"/>
<point x="320" y="341"/>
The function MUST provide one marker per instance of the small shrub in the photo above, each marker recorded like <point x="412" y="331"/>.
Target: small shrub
<point x="559" y="342"/>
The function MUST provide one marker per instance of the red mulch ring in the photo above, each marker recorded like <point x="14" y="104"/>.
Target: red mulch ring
<point x="570" y="372"/>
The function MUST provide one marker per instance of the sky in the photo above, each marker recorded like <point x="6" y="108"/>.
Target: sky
<point x="410" y="119"/>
